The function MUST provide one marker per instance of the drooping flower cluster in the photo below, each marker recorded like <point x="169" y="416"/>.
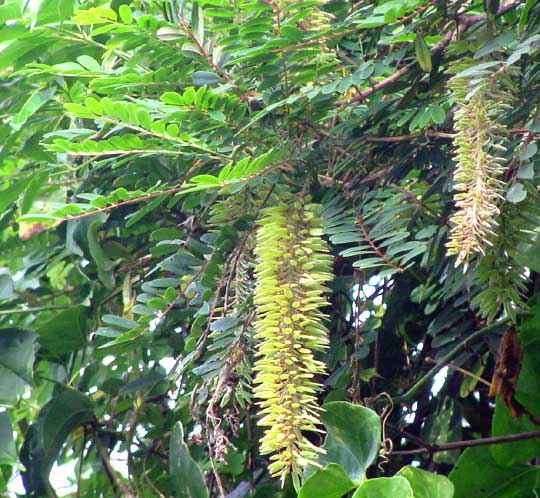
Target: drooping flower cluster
<point x="477" y="183"/>
<point x="292" y="270"/>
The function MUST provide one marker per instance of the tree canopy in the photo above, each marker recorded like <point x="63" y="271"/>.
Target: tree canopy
<point x="270" y="248"/>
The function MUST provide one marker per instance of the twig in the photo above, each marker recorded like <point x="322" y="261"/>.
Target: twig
<point x="115" y="480"/>
<point x="469" y="443"/>
<point x="464" y="22"/>
<point x="81" y="461"/>
<point x="439" y="134"/>
<point x="145" y="472"/>
<point x="443" y="362"/>
<point x="463" y="371"/>
<point x="412" y="136"/>
<point x="415" y="13"/>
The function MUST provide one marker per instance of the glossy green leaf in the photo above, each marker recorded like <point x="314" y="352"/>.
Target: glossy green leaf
<point x="328" y="482"/>
<point x="427" y="484"/>
<point x="478" y="474"/>
<point x="385" y="487"/>
<point x="516" y="452"/>
<point x="100" y="257"/>
<point x="529" y="4"/>
<point x="354" y="438"/>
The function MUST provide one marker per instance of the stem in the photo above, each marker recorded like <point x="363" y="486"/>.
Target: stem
<point x="464" y="23"/>
<point x="115" y="480"/>
<point x="443" y="362"/>
<point x="485" y="441"/>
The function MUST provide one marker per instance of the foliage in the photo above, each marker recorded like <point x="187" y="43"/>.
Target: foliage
<point x="186" y="187"/>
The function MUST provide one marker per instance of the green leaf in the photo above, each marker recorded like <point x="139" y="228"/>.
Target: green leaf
<point x="495" y="44"/>
<point x="54" y="11"/>
<point x="525" y="172"/>
<point x="529" y="151"/>
<point x="437" y="114"/>
<point x="8" y="452"/>
<point x="423" y="55"/>
<point x="427" y="484"/>
<point x="385" y="487"/>
<point x="9" y="11"/>
<point x="529" y="4"/>
<point x="186" y="475"/>
<point x="477" y="70"/>
<point x="37" y="100"/>
<point x="89" y="62"/>
<point x="45" y="218"/>
<point x="477" y="474"/>
<point x="516" y="193"/>
<point x="16" y="361"/>
<point x="330" y="482"/>
<point x="144" y="382"/>
<point x="197" y="22"/>
<point x="66" y="332"/>
<point x="126" y="13"/>
<point x="353" y="440"/>
<point x="45" y="438"/>
<point x="205" y="180"/>
<point x="516" y="452"/>
<point x="148" y="207"/>
<point x="100" y="257"/>
<point x="201" y="78"/>
<point x="9" y="195"/>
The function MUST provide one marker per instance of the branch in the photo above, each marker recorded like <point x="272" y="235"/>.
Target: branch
<point x="440" y="134"/>
<point x="464" y="22"/>
<point x="443" y="362"/>
<point x="485" y="441"/>
<point x="115" y="480"/>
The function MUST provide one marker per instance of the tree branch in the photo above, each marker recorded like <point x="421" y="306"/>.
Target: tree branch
<point x="115" y="480"/>
<point x="485" y="441"/>
<point x="462" y="346"/>
<point x="439" y="134"/>
<point x="464" y="22"/>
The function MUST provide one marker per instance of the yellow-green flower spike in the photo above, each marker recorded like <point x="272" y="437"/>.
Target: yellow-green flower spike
<point x="293" y="267"/>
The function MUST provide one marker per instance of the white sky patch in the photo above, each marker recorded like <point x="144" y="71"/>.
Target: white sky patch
<point x="167" y="363"/>
<point x="409" y="418"/>
<point x="439" y="380"/>
<point x="107" y="360"/>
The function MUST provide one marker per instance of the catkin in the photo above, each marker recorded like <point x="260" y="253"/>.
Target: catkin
<point x="293" y="267"/>
<point x="479" y="167"/>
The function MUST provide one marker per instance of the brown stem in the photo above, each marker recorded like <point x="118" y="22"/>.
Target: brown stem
<point x="464" y="22"/>
<point x="507" y="438"/>
<point x="116" y="481"/>
<point x="440" y="134"/>
<point x="461" y="370"/>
